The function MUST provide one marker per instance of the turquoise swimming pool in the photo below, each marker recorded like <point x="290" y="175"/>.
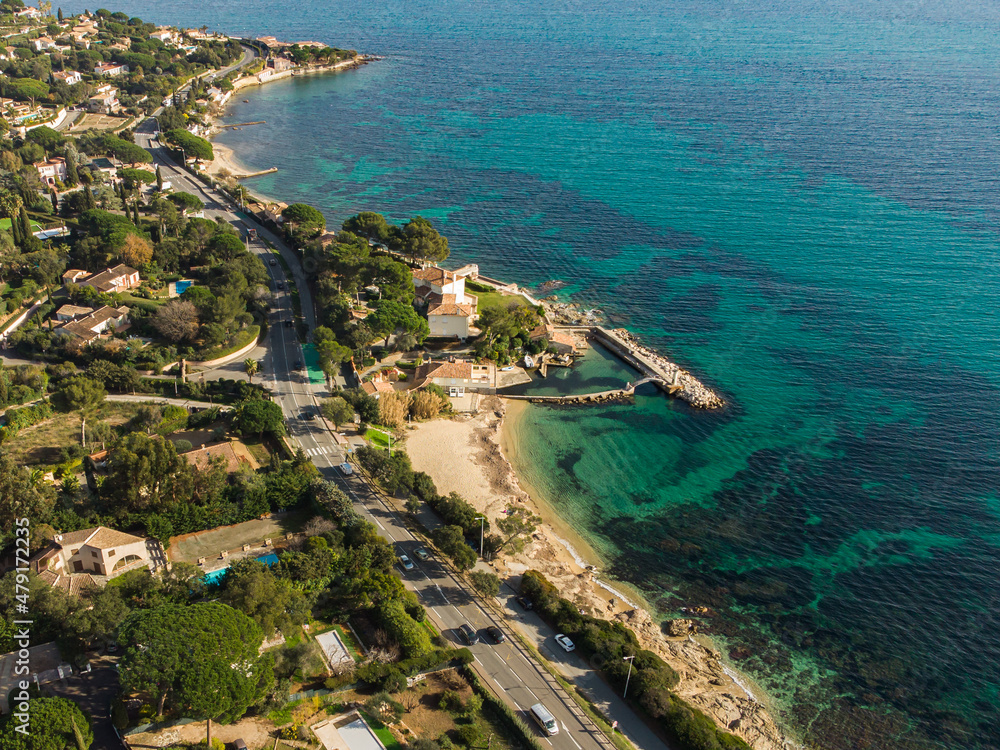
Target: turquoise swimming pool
<point x="213" y="577"/>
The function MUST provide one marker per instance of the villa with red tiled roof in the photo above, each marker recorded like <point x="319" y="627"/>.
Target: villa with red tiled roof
<point x="76" y="559"/>
<point x="451" y="311"/>
<point x="457" y="377"/>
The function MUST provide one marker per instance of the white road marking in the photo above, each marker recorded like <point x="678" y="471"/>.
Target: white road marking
<point x="569" y="735"/>
<point x="532" y="694"/>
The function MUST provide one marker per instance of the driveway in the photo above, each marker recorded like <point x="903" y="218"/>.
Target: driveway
<point x="93" y="693"/>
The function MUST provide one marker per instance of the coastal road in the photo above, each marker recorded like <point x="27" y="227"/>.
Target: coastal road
<point x="508" y="668"/>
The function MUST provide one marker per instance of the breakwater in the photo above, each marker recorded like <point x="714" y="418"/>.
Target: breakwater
<point x="668" y="376"/>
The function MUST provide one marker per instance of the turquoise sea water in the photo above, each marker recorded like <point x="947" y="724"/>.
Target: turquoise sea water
<point x="798" y="201"/>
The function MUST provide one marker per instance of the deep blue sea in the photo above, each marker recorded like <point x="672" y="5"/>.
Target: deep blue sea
<point x="799" y="201"/>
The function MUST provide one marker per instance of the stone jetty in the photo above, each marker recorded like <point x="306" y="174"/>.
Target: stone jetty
<point x="668" y="376"/>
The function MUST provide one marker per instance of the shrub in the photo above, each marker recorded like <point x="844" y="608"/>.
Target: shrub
<point x="468" y="735"/>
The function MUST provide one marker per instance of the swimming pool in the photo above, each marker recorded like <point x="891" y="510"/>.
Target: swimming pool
<point x="213" y="577"/>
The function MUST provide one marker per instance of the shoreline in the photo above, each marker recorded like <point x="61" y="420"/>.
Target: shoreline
<point x="471" y="456"/>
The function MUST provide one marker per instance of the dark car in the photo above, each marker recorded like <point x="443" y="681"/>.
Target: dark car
<point x="469" y="635"/>
<point x="239" y="745"/>
<point x="298" y="364"/>
<point x="281" y="285"/>
<point x="525" y="602"/>
<point x="496" y="634"/>
<point x="308" y="416"/>
<point x="273" y="262"/>
<point x="289" y="324"/>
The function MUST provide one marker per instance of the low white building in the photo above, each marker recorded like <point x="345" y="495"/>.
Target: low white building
<point x="44" y="42"/>
<point x="69" y="77"/>
<point x="51" y="170"/>
<point x="110" y="69"/>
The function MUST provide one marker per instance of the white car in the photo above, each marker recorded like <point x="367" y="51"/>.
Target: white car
<point x="565" y="642"/>
<point x="406" y="562"/>
<point x="346" y="469"/>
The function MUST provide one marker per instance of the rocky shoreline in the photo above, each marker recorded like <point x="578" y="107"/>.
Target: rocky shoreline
<point x="471" y="456"/>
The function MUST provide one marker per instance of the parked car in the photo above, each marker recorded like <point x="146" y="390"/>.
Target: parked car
<point x="525" y="603"/>
<point x="239" y="745"/>
<point x="565" y="642"/>
<point x="289" y="324"/>
<point x="273" y="262"/>
<point x="298" y="364"/>
<point x="422" y="553"/>
<point x="496" y="634"/>
<point x="281" y="285"/>
<point x="346" y="469"/>
<point x="406" y="562"/>
<point x="469" y="635"/>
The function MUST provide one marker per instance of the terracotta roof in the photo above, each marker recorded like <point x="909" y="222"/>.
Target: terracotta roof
<point x="459" y="370"/>
<point x="104" y="278"/>
<point x="74" y="310"/>
<point x="106" y="538"/>
<point x="84" y="327"/>
<point x="371" y="387"/>
<point x="72" y="584"/>
<point x="433" y="275"/>
<point x="448" y="306"/>
<point x="99" y="537"/>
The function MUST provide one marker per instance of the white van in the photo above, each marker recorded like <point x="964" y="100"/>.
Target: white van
<point x="545" y="720"/>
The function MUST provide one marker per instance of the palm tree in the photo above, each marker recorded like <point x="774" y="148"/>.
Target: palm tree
<point x="252" y="367"/>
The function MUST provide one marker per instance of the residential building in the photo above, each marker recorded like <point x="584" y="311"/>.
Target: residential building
<point x="89" y="327"/>
<point x="52" y="170"/>
<point x="280" y="64"/>
<point x="44" y="42"/>
<point x="105" y="166"/>
<point x="104" y="100"/>
<point x="562" y="342"/>
<point x="99" y="551"/>
<point x="458" y="376"/>
<point x="69" y="77"/>
<point x="28" y="12"/>
<point x="117" y="279"/>
<point x="378" y="385"/>
<point x="67" y="313"/>
<point x="109" y="69"/>
<point x="163" y="34"/>
<point x="451" y="311"/>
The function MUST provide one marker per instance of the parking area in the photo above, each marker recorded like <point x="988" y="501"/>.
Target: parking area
<point x="89" y="120"/>
<point x="93" y="692"/>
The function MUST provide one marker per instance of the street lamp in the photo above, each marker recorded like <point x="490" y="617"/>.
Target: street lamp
<point x="482" y="527"/>
<point x="629" y="660"/>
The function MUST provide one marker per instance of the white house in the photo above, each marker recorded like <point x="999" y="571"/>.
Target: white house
<point x="69" y="77"/>
<point x="109" y="69"/>
<point x="451" y="311"/>
<point x="163" y="34"/>
<point x="44" y="42"/>
<point x="89" y="327"/>
<point x="105" y="100"/>
<point x="28" y="12"/>
<point x="52" y="170"/>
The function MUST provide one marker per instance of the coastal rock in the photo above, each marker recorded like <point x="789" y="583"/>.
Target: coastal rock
<point x="679" y="628"/>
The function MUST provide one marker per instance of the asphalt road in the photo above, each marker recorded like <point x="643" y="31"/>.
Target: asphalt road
<point x="507" y="667"/>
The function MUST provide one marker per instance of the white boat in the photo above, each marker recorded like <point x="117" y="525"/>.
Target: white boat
<point x="528" y="361"/>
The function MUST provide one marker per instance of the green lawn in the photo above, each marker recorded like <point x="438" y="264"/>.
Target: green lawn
<point x="242" y="339"/>
<point x="495" y="299"/>
<point x="390" y="742"/>
<point x="376" y="438"/>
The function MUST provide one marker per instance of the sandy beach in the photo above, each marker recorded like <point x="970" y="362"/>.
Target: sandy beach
<point x="468" y="455"/>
